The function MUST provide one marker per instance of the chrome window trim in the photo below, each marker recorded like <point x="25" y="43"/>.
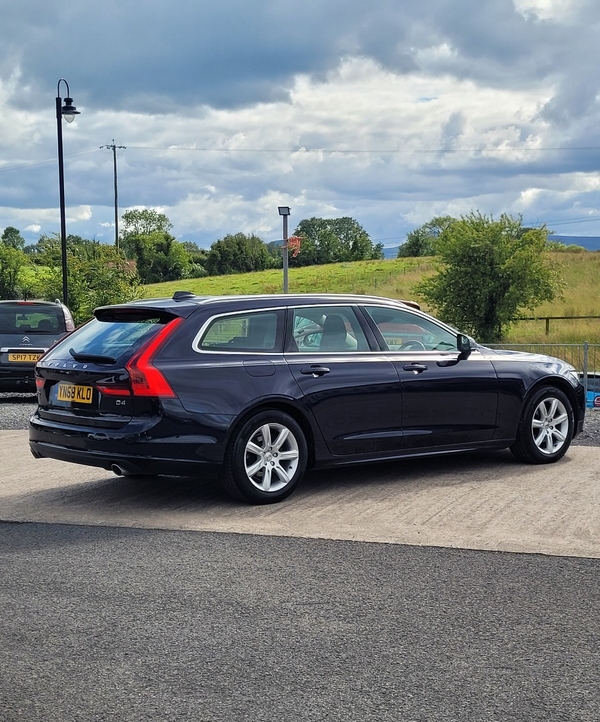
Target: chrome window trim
<point x="290" y="307"/>
<point x="316" y="304"/>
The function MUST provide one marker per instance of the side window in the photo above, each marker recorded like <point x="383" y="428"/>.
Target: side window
<point x="327" y="328"/>
<point x="405" y="331"/>
<point x="260" y="331"/>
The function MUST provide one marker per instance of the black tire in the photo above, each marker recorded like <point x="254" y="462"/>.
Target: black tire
<point x="266" y="459"/>
<point x="546" y="427"/>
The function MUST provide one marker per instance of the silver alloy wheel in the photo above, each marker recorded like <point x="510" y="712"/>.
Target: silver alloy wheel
<point x="271" y="457"/>
<point x="550" y="425"/>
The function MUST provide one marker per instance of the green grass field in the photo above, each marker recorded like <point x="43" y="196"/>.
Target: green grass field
<point x="396" y="279"/>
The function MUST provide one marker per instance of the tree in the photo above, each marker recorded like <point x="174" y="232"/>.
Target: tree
<point x="12" y="260"/>
<point x="423" y="240"/>
<point x="489" y="272"/>
<point x="142" y="222"/>
<point x="197" y="258"/>
<point x="331" y="240"/>
<point x="105" y="279"/>
<point x="12" y="238"/>
<point x="48" y="249"/>
<point x="238" y="253"/>
<point x="160" y="257"/>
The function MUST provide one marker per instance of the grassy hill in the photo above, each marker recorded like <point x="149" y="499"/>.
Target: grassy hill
<point x="396" y="279"/>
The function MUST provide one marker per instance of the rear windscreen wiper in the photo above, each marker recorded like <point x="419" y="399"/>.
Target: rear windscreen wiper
<point x="91" y="357"/>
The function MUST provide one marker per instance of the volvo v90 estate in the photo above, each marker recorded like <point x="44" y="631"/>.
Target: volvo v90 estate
<point x="261" y="388"/>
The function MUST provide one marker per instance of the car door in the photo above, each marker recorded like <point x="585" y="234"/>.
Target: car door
<point x="352" y="391"/>
<point x="446" y="400"/>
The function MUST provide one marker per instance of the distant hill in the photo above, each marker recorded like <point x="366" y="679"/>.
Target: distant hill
<point x="592" y="243"/>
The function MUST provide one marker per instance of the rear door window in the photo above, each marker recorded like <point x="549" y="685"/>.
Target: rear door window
<point x="336" y="329"/>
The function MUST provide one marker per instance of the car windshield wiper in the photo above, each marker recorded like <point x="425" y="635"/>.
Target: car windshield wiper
<point x="91" y="357"/>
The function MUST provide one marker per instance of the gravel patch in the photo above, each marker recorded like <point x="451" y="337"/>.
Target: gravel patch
<point x="16" y="408"/>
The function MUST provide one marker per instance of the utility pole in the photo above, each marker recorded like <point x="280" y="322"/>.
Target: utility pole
<point x="114" y="149"/>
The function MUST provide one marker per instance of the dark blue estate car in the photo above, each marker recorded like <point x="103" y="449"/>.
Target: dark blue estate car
<point x="261" y="388"/>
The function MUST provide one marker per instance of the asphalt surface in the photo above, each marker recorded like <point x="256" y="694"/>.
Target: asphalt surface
<point x="122" y="624"/>
<point x="135" y="601"/>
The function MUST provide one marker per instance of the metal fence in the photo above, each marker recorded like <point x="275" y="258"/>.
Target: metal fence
<point x="584" y="356"/>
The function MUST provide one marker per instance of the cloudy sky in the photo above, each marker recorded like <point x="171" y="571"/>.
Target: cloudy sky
<point x="389" y="111"/>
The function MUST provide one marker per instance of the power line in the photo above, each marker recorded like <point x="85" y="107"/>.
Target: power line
<point x="480" y="149"/>
<point x="41" y="162"/>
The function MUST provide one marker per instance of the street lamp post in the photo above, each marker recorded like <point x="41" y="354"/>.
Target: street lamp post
<point x="67" y="111"/>
<point x="284" y="211"/>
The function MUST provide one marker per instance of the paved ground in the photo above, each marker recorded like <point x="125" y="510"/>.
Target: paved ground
<point x="135" y="625"/>
<point x="477" y="501"/>
<point x="169" y="620"/>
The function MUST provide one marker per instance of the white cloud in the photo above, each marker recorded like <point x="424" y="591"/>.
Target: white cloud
<point x="391" y="114"/>
<point x="555" y="10"/>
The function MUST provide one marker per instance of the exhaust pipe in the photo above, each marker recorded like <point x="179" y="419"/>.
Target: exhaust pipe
<point x="124" y="469"/>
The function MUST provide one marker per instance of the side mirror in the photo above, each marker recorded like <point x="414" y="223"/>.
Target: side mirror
<point x="463" y="344"/>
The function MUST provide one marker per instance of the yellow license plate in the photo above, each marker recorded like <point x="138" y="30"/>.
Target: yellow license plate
<point x="24" y="357"/>
<point x="75" y="393"/>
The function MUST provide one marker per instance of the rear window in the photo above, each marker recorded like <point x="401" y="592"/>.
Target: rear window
<point x="110" y="338"/>
<point x="31" y="319"/>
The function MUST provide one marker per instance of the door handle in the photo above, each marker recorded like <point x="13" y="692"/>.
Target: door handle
<point x="314" y="371"/>
<point x="415" y="368"/>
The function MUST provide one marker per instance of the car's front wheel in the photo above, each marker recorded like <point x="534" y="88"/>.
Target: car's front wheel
<point x="546" y="427"/>
<point x="266" y="458"/>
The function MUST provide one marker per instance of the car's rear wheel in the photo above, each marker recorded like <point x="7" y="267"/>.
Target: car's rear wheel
<point x="546" y="427"/>
<point x="266" y="458"/>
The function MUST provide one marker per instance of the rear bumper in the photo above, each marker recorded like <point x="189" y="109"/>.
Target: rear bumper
<point x="17" y="377"/>
<point x="143" y="452"/>
<point x="120" y="464"/>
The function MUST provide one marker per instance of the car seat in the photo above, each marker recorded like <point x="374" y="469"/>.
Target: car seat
<point x="334" y="334"/>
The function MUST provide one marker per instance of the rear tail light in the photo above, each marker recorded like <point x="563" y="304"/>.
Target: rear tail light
<point x="113" y="390"/>
<point x="145" y="378"/>
<point x="39" y="384"/>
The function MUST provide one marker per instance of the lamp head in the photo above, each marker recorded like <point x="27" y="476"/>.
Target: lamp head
<point x="69" y="111"/>
<point x="284" y="210"/>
